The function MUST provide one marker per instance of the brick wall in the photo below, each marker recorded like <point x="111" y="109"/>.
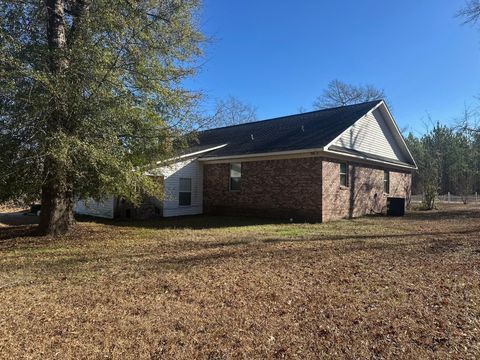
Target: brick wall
<point x="293" y="188"/>
<point x="364" y="195"/>
<point x="289" y="188"/>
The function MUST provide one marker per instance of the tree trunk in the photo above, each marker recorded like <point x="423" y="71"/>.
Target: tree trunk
<point x="56" y="35"/>
<point x="56" y="215"/>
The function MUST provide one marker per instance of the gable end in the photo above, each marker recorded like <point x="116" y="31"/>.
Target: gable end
<point x="375" y="136"/>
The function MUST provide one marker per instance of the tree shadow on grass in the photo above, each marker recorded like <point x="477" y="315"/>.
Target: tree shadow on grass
<point x="430" y="242"/>
<point x="10" y="236"/>
<point x="53" y="265"/>
<point x="198" y="222"/>
<point x="182" y="261"/>
<point x="195" y="222"/>
<point x="187" y="255"/>
<point x="372" y="236"/>
<point x="435" y="215"/>
<point x="18" y="232"/>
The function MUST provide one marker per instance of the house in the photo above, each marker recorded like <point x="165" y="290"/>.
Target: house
<point x="318" y="166"/>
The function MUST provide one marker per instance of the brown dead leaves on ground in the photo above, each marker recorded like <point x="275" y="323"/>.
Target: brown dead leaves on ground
<point x="221" y="288"/>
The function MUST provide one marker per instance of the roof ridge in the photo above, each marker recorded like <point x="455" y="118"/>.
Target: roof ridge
<point x="293" y="115"/>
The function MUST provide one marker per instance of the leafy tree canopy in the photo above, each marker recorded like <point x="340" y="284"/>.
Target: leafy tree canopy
<point x="89" y="91"/>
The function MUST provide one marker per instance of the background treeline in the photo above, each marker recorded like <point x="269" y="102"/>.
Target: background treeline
<point x="448" y="160"/>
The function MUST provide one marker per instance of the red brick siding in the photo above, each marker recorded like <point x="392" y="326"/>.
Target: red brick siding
<point x="364" y="195"/>
<point x="302" y="189"/>
<point x="289" y="188"/>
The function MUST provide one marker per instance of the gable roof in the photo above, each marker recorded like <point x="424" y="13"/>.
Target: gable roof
<point x="376" y="137"/>
<point x="306" y="131"/>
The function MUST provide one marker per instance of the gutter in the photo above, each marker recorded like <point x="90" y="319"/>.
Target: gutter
<point x="267" y="154"/>
<point x="316" y="152"/>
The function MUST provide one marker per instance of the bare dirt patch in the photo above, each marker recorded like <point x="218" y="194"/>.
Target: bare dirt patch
<point x="215" y="288"/>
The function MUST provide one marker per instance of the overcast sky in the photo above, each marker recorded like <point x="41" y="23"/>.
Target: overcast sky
<point x="279" y="55"/>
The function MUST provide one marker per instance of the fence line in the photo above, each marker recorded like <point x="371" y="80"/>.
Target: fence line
<point x="451" y="198"/>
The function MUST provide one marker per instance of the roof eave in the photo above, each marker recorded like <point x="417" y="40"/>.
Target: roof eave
<point x="187" y="155"/>
<point x="264" y="154"/>
<point x="371" y="160"/>
<point x="314" y="151"/>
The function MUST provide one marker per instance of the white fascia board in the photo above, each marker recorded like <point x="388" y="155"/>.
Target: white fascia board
<point x="276" y="153"/>
<point x="181" y="157"/>
<point x="307" y="152"/>
<point x="392" y="120"/>
<point x="341" y="155"/>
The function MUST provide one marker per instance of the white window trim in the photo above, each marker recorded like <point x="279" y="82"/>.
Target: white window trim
<point x="345" y="173"/>
<point x="179" y="192"/>
<point x="384" y="181"/>
<point x="230" y="177"/>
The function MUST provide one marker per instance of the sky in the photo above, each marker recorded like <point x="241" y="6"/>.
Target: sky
<point x="279" y="55"/>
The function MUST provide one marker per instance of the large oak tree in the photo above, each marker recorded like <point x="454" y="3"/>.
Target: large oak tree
<point x="90" y="93"/>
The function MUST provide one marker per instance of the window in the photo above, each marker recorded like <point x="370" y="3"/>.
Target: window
<point x="386" y="181"/>
<point x="185" y="192"/>
<point x="343" y="174"/>
<point x="235" y="176"/>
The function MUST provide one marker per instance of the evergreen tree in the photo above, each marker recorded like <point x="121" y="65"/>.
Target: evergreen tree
<point x="89" y="92"/>
<point x="448" y="161"/>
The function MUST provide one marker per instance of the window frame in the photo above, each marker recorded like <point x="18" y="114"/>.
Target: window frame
<point x="230" y="177"/>
<point x="345" y="174"/>
<point x="184" y="192"/>
<point x="386" y="181"/>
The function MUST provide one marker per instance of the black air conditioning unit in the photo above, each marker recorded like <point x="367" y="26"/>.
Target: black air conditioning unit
<point x="395" y="206"/>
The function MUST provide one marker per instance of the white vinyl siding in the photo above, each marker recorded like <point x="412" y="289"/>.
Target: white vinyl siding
<point x="188" y="169"/>
<point x="104" y="208"/>
<point x="372" y="135"/>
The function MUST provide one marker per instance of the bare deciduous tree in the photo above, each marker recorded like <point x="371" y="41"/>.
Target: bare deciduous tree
<point x="471" y="12"/>
<point x="232" y="111"/>
<point x="470" y="15"/>
<point x="468" y="122"/>
<point x="339" y="93"/>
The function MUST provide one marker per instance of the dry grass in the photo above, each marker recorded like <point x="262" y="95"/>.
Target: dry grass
<point x="217" y="288"/>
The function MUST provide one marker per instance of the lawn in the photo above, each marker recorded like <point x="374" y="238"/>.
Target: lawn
<point x="221" y="288"/>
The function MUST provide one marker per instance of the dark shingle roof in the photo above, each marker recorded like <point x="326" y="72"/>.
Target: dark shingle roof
<point x="295" y="132"/>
